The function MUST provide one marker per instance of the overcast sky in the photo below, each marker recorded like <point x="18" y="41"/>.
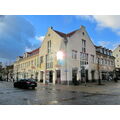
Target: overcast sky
<point x="19" y="34"/>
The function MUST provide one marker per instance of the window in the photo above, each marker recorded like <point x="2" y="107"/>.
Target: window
<point x="29" y="63"/>
<point x="49" y="46"/>
<point x="92" y="58"/>
<point x="106" y="62"/>
<point x="83" y="45"/>
<point x="74" y="54"/>
<point x="37" y="61"/>
<point x="49" y="63"/>
<point x="102" y="61"/>
<point x="32" y="63"/>
<point x="112" y="63"/>
<point x="83" y="33"/>
<point x="83" y="58"/>
<point x="41" y="59"/>
<point x="110" y="53"/>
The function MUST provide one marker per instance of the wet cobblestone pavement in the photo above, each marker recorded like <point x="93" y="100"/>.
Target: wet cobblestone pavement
<point x="92" y="94"/>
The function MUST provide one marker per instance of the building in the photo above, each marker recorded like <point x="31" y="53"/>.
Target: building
<point x="65" y="59"/>
<point x="116" y="54"/>
<point x="26" y="66"/>
<point x="106" y="62"/>
<point x="1" y="67"/>
<point x="7" y="73"/>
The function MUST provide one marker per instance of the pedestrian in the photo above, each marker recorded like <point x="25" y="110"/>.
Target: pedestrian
<point x="115" y="79"/>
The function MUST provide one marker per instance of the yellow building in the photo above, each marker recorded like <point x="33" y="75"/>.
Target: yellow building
<point x="27" y="66"/>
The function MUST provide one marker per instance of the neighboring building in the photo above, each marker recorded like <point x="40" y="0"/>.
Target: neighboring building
<point x="116" y="54"/>
<point x="7" y="73"/>
<point x="66" y="58"/>
<point x="26" y="66"/>
<point x="1" y="67"/>
<point x="106" y="62"/>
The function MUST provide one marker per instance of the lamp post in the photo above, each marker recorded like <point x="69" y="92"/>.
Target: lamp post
<point x="99" y="80"/>
<point x="66" y="41"/>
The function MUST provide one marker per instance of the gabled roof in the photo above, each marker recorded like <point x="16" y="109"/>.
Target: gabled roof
<point x="65" y="35"/>
<point x="34" y="51"/>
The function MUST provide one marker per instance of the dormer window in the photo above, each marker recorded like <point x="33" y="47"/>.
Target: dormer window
<point x="101" y="50"/>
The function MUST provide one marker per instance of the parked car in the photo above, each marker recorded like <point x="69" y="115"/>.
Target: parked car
<point x="25" y="83"/>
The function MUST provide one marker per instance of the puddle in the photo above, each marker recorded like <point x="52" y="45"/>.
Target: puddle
<point x="67" y="99"/>
<point x="73" y="91"/>
<point x="25" y="99"/>
<point x="53" y="102"/>
<point x="97" y="94"/>
<point x="63" y="99"/>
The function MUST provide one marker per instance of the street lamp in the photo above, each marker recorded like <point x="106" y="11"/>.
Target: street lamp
<point x="99" y="80"/>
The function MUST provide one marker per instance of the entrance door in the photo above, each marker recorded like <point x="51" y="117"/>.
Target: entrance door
<point x="50" y="76"/>
<point x="74" y="76"/>
<point x="86" y="75"/>
<point x="93" y="75"/>
<point x="58" y="75"/>
<point x="41" y="76"/>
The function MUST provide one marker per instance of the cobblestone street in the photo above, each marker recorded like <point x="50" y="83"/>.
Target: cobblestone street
<point x="92" y="94"/>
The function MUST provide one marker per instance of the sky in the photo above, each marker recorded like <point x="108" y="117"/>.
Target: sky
<point x="22" y="33"/>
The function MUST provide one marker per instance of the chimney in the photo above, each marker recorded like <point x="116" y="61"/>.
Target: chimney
<point x="82" y="27"/>
<point x="51" y="27"/>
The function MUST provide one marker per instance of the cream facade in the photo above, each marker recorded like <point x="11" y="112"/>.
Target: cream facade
<point x="116" y="54"/>
<point x="27" y="66"/>
<point x="66" y="59"/>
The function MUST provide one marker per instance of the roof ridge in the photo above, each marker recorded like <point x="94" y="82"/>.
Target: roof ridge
<point x="33" y="51"/>
<point x="65" y="34"/>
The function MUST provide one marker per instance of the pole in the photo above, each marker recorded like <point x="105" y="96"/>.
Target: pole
<point x="85" y="76"/>
<point x="99" y="80"/>
<point x="66" y="41"/>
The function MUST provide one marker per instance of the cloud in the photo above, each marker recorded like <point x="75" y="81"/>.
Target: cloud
<point x="40" y="38"/>
<point x="104" y="43"/>
<point x="86" y="17"/>
<point x="109" y="44"/>
<point x="110" y="21"/>
<point x="28" y="49"/>
<point x="16" y="34"/>
<point x="104" y="21"/>
<point x="115" y="45"/>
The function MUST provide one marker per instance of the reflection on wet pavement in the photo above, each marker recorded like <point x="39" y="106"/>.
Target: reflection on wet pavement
<point x="59" y="95"/>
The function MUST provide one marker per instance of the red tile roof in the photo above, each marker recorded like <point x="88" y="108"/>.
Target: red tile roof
<point x="34" y="51"/>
